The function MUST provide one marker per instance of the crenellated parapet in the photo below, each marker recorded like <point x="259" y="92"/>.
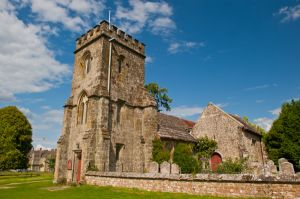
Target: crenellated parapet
<point x="103" y="29"/>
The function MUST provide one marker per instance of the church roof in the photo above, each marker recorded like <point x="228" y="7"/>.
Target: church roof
<point x="246" y="126"/>
<point x="174" y="128"/>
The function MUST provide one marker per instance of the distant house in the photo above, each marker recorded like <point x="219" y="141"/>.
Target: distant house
<point x="235" y="138"/>
<point x="39" y="160"/>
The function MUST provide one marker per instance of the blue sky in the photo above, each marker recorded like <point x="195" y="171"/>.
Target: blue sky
<point x="241" y="55"/>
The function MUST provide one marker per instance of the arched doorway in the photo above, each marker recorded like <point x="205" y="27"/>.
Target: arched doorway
<point x="215" y="160"/>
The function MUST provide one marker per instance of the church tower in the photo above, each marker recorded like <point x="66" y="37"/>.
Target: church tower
<point x="110" y="119"/>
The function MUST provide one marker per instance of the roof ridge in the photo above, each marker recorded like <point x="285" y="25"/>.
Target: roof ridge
<point x="228" y="114"/>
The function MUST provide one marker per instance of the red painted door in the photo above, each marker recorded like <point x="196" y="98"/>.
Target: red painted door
<point x="215" y="160"/>
<point x="78" y="170"/>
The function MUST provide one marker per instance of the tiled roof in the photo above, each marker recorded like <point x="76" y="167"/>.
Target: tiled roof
<point x="246" y="126"/>
<point x="174" y="128"/>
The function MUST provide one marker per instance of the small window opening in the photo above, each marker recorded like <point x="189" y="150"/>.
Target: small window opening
<point x="120" y="63"/>
<point x="253" y="142"/>
<point x="118" y="150"/>
<point x="87" y="64"/>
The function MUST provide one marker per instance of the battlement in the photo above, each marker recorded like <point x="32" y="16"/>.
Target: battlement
<point x="103" y="30"/>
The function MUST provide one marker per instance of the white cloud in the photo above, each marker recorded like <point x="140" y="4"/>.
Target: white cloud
<point x="259" y="101"/>
<point x="291" y="99"/>
<point x="26" y="64"/>
<point x="222" y="105"/>
<point x="73" y="14"/>
<point x="46" y="126"/>
<point x="149" y="59"/>
<point x="257" y="87"/>
<point x="264" y="122"/>
<point x="41" y="147"/>
<point x="184" y="111"/>
<point x="154" y="15"/>
<point x="289" y="13"/>
<point x="181" y="46"/>
<point x="276" y="111"/>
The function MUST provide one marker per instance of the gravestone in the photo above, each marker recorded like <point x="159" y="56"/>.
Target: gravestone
<point x="285" y="167"/>
<point x="175" y="169"/>
<point x="165" y="167"/>
<point x="270" y="168"/>
<point x="153" y="167"/>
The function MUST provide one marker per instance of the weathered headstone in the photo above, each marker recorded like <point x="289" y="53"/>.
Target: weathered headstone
<point x="297" y="176"/>
<point x="270" y="168"/>
<point x="287" y="168"/>
<point x="153" y="167"/>
<point x="175" y="169"/>
<point x="165" y="167"/>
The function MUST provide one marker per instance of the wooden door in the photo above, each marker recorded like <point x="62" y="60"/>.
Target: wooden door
<point x="215" y="160"/>
<point x="78" y="170"/>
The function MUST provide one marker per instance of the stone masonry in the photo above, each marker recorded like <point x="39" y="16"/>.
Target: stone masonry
<point x="235" y="138"/>
<point x="109" y="119"/>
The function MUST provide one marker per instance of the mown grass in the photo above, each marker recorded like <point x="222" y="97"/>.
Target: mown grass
<point x="41" y="186"/>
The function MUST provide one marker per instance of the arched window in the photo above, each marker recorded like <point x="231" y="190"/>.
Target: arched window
<point x="82" y="109"/>
<point x="87" y="64"/>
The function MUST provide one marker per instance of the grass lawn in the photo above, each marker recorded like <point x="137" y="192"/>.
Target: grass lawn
<point x="40" y="186"/>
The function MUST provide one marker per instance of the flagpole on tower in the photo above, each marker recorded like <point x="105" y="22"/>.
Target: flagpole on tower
<point x="109" y="19"/>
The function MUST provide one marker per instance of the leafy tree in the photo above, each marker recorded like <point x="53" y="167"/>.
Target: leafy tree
<point x="159" y="152"/>
<point x="51" y="163"/>
<point x="283" y="139"/>
<point x="15" y="138"/>
<point x="160" y="95"/>
<point x="183" y="156"/>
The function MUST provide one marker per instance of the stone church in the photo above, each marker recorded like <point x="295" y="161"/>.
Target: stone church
<point x="110" y="119"/>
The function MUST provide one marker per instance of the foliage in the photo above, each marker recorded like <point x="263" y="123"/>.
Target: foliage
<point x="283" y="139"/>
<point x="205" y="147"/>
<point x="159" y="151"/>
<point x="232" y="166"/>
<point x="256" y="127"/>
<point x="15" y="138"/>
<point x="160" y="95"/>
<point x="51" y="163"/>
<point x="183" y="156"/>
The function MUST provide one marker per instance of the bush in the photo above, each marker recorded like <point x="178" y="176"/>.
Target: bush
<point x="159" y="152"/>
<point x="183" y="156"/>
<point x="232" y="166"/>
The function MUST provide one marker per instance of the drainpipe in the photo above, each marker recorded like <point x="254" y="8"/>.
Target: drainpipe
<point x="109" y="65"/>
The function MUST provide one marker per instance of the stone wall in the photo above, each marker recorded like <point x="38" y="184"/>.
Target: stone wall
<point x="238" y="185"/>
<point x="233" y="141"/>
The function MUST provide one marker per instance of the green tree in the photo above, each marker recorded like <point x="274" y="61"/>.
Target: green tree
<point x="15" y="138"/>
<point x="160" y="95"/>
<point x="51" y="163"/>
<point x="183" y="156"/>
<point x="159" y="152"/>
<point x="283" y="139"/>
